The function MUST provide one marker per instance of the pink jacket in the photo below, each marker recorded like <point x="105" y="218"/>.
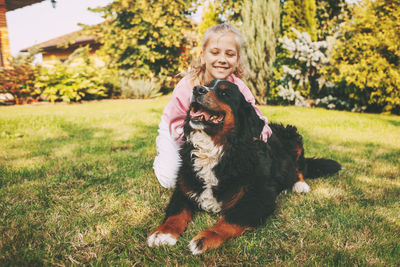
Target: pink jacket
<point x="174" y="113"/>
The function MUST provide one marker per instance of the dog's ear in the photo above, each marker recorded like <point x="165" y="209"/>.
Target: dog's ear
<point x="186" y="125"/>
<point x="250" y="124"/>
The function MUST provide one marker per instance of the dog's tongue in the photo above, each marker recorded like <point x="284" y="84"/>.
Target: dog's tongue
<point x="199" y="113"/>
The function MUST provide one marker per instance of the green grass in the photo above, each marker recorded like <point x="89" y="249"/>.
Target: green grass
<point x="77" y="186"/>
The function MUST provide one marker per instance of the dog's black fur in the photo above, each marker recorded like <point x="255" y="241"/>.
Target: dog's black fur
<point x="249" y="172"/>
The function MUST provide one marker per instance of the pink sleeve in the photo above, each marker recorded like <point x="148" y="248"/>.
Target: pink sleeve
<point x="266" y="132"/>
<point x="174" y="113"/>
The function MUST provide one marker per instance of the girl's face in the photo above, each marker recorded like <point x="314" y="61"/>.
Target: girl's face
<point x="220" y="56"/>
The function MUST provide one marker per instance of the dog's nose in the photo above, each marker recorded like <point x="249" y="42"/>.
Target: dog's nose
<point x="200" y="90"/>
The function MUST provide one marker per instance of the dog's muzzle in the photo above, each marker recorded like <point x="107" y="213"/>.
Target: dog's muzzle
<point x="198" y="93"/>
<point x="200" y="90"/>
<point x="198" y="112"/>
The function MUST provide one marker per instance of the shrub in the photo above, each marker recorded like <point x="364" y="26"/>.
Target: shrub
<point x="76" y="81"/>
<point x="305" y="60"/>
<point x="290" y="96"/>
<point x="139" y="88"/>
<point x="331" y="102"/>
<point x="63" y="83"/>
<point x="18" y="79"/>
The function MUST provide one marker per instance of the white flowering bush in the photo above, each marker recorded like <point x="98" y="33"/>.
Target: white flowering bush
<point x="290" y="96"/>
<point x="332" y="102"/>
<point x="305" y="60"/>
<point x="305" y="50"/>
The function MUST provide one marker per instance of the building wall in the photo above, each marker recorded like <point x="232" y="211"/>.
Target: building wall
<point x="5" y="53"/>
<point x="58" y="56"/>
<point x="50" y="58"/>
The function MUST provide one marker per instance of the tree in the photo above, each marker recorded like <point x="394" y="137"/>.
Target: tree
<point x="210" y="17"/>
<point x="145" y="38"/>
<point x="231" y="10"/>
<point x="301" y="15"/>
<point x="365" y="63"/>
<point x="260" y="29"/>
<point x="330" y="14"/>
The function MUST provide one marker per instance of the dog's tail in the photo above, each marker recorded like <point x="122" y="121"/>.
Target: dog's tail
<point x="317" y="167"/>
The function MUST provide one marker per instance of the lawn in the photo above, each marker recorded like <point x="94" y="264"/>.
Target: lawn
<point x="77" y="187"/>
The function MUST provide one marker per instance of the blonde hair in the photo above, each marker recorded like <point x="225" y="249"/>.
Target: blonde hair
<point x="197" y="69"/>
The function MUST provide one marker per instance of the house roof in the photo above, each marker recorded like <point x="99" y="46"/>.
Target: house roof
<point x="73" y="39"/>
<point x="15" y="4"/>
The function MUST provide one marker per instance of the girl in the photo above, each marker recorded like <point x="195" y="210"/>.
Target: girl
<point x="220" y="58"/>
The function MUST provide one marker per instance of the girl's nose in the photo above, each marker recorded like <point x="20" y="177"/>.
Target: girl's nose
<point x="222" y="59"/>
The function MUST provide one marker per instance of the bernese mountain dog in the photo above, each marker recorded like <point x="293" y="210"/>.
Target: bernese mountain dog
<point x="226" y="168"/>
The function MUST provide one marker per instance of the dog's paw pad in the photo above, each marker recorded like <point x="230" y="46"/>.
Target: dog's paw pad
<point x="159" y="239"/>
<point x="301" y="187"/>
<point x="197" y="246"/>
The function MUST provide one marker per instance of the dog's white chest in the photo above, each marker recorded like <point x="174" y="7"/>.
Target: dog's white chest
<point x="206" y="155"/>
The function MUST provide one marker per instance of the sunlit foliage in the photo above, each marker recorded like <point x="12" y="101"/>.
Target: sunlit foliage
<point x="366" y="59"/>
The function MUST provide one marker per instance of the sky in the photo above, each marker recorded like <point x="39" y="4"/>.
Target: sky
<point x="41" y="22"/>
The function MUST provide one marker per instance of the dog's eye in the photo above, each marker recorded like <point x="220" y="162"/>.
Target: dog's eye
<point x="223" y="93"/>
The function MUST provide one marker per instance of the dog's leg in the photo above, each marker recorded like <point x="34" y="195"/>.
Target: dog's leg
<point x="248" y="211"/>
<point x="300" y="186"/>
<point x="169" y="232"/>
<point x="213" y="237"/>
<point x="178" y="214"/>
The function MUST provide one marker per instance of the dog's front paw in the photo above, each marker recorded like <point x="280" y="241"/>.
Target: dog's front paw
<point x="301" y="187"/>
<point x="205" y="241"/>
<point x="158" y="239"/>
<point x="197" y="246"/>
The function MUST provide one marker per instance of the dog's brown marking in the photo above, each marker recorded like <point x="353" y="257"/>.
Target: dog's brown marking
<point x="229" y="121"/>
<point x="300" y="175"/>
<point x="234" y="199"/>
<point x="223" y="86"/>
<point x="213" y="237"/>
<point x="299" y="151"/>
<point x="183" y="187"/>
<point x="175" y="225"/>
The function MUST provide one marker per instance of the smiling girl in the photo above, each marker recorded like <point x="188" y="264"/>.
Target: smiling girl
<point x="220" y="58"/>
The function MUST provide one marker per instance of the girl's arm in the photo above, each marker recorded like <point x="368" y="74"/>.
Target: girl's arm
<point x="175" y="111"/>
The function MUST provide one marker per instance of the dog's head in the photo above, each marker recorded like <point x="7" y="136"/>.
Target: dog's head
<point x="221" y="110"/>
